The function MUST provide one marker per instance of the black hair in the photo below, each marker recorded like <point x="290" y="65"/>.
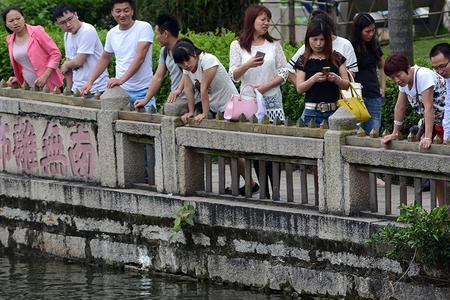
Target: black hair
<point x="168" y="23"/>
<point x="114" y="2"/>
<point x="6" y="11"/>
<point x="361" y="47"/>
<point x="59" y="11"/>
<point x="315" y="28"/>
<point x="443" y="48"/>
<point x="320" y="15"/>
<point x="183" y="50"/>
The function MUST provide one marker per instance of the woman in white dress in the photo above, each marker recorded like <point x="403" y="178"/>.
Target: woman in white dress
<point x="257" y="59"/>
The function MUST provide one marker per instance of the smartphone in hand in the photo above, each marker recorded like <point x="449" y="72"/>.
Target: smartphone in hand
<point x="326" y="70"/>
<point x="260" y="54"/>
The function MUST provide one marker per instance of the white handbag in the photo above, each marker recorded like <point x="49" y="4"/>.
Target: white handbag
<point x="356" y="86"/>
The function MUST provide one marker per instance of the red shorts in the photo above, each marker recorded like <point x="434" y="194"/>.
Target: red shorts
<point x="439" y="130"/>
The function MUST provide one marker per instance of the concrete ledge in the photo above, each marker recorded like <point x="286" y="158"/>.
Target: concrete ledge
<point x="211" y="212"/>
<point x="249" y="142"/>
<point x="138" y="128"/>
<point x="42" y="97"/>
<point x="421" y="162"/>
<point x="9" y="106"/>
<point x="58" y="110"/>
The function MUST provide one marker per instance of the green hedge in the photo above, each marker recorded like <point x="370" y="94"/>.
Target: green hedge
<point x="218" y="43"/>
<point x="40" y="11"/>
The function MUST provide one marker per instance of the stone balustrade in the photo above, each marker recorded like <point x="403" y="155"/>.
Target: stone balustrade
<point x="100" y="141"/>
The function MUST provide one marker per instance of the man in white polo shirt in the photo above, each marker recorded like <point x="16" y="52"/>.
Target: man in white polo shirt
<point x="83" y="50"/>
<point x="131" y="43"/>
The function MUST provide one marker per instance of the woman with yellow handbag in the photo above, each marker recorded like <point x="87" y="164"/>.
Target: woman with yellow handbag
<point x="320" y="74"/>
<point x="369" y="56"/>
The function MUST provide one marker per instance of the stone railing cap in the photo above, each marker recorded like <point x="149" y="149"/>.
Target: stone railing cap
<point x="114" y="99"/>
<point x="342" y="119"/>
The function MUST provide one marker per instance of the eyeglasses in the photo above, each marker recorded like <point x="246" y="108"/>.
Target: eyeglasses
<point x="441" y="67"/>
<point x="64" y="22"/>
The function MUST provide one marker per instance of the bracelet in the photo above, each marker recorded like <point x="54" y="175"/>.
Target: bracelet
<point x="398" y="123"/>
<point x="425" y="138"/>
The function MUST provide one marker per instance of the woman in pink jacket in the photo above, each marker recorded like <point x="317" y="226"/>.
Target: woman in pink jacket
<point x="33" y="54"/>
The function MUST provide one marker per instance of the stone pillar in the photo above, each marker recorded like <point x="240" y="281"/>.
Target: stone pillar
<point x="346" y="189"/>
<point x="191" y="171"/>
<point x="169" y="154"/>
<point x="112" y="101"/>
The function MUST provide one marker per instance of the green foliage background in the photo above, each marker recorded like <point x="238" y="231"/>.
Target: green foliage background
<point x="198" y="15"/>
<point x="39" y="12"/>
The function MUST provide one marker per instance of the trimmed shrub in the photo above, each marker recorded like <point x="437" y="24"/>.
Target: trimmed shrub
<point x="40" y="12"/>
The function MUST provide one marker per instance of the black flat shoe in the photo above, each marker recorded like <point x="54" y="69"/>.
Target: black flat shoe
<point x="255" y="188"/>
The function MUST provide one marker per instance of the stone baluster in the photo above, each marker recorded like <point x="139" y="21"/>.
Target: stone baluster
<point x="345" y="189"/>
<point x="112" y="101"/>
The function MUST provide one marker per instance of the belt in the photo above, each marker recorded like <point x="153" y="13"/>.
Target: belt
<point x="322" y="106"/>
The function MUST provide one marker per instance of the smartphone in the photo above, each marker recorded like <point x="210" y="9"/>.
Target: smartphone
<point x="260" y="54"/>
<point x="326" y="70"/>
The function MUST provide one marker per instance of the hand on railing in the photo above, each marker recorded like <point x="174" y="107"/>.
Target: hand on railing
<point x="388" y="138"/>
<point x="425" y="143"/>
<point x="199" y="118"/>
<point x="12" y="81"/>
<point x="185" y="117"/>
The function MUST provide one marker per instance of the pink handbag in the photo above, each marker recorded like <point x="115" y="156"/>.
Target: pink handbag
<point x="237" y="106"/>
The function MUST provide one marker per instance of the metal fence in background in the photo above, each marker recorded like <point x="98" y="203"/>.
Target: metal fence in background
<point x="290" y="17"/>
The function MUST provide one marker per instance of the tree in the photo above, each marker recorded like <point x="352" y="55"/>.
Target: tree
<point x="401" y="27"/>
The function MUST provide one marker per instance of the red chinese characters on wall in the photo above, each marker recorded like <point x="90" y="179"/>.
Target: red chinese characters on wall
<point x="82" y="154"/>
<point x="25" y="149"/>
<point x="5" y="145"/>
<point x="53" y="161"/>
<point x="53" y="158"/>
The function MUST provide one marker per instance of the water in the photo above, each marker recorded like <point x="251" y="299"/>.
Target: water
<point x="33" y="277"/>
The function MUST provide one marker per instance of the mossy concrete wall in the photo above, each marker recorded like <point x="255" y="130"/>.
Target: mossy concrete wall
<point x="260" y="246"/>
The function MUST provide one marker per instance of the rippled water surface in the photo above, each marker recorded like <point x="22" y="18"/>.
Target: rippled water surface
<point x="32" y="277"/>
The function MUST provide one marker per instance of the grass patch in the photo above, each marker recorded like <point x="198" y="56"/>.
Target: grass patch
<point x="421" y="46"/>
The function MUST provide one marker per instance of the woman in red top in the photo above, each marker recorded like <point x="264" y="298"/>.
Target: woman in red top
<point x="33" y="54"/>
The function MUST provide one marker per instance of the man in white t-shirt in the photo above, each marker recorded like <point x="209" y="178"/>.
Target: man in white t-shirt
<point x="341" y="45"/>
<point x="131" y="43"/>
<point x="440" y="59"/>
<point x="83" y="50"/>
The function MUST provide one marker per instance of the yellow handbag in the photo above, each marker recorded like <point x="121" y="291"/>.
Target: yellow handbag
<point x="354" y="104"/>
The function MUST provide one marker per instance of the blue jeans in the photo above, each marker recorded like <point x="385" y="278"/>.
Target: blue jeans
<point x="134" y="95"/>
<point x="374" y="107"/>
<point x="319" y="116"/>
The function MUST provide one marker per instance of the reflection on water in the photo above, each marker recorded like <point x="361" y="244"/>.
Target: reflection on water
<point x="31" y="277"/>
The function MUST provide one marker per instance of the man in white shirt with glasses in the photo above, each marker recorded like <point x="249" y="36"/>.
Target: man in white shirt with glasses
<point x="83" y="50"/>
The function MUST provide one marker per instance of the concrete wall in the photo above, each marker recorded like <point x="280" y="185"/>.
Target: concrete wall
<point x="273" y="246"/>
<point x="48" y="140"/>
<point x="234" y="242"/>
